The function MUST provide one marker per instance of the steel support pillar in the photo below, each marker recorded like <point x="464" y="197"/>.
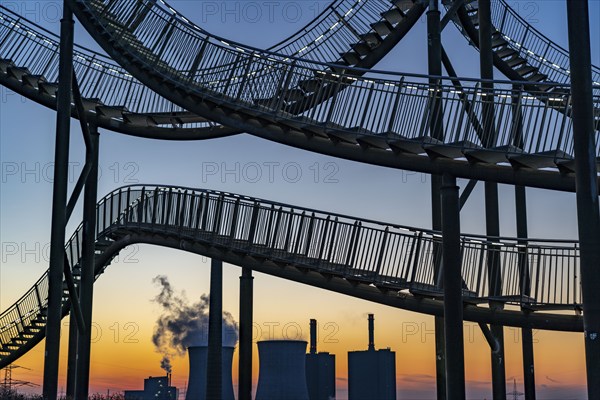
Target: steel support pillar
<point x="88" y="267"/>
<point x="491" y="193"/>
<point x="588" y="216"/>
<point x="59" y="204"/>
<point x="528" y="365"/>
<point x="453" y="304"/>
<point x="245" y="347"/>
<point x="72" y="357"/>
<point x="215" y="333"/>
<point x="525" y="284"/>
<point x="434" y="46"/>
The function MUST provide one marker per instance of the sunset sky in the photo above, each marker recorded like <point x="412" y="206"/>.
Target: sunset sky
<point x="124" y="314"/>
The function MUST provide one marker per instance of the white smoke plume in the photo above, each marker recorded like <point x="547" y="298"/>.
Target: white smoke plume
<point x="182" y="324"/>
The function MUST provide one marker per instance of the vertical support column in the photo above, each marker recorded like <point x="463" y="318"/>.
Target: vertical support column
<point x="588" y="216"/>
<point x="245" y="348"/>
<point x="491" y="192"/>
<point x="528" y="365"/>
<point x="453" y="304"/>
<point x="434" y="47"/>
<point x="495" y="285"/>
<point x="525" y="285"/>
<point x="214" y="369"/>
<point x="88" y="267"/>
<point x="72" y="357"/>
<point x="59" y="207"/>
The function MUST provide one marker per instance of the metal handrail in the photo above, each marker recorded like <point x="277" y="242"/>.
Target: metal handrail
<point x="112" y="85"/>
<point x="344" y="101"/>
<point x="358" y="249"/>
<point x="537" y="49"/>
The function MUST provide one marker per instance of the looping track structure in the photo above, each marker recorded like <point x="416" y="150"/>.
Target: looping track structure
<point x="382" y="118"/>
<point x="116" y="100"/>
<point x="385" y="263"/>
<point x="167" y="78"/>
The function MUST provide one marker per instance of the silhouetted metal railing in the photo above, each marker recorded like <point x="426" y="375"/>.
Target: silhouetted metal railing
<point x="535" y="48"/>
<point x="30" y="46"/>
<point x="389" y="256"/>
<point x="27" y="45"/>
<point x="385" y="105"/>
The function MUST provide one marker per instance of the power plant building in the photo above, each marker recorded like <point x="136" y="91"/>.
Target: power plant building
<point x="282" y="371"/>
<point x="372" y="373"/>
<point x="320" y="370"/>
<point x="198" y="357"/>
<point x="155" y="388"/>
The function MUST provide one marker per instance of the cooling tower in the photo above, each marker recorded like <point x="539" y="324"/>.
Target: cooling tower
<point x="282" y="373"/>
<point x="197" y="379"/>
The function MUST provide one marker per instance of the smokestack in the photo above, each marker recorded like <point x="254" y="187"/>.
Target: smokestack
<point x="371" y="332"/>
<point x="282" y="372"/>
<point x="313" y="336"/>
<point x="198" y="356"/>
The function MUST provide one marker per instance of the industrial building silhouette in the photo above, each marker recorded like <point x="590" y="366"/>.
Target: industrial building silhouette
<point x="155" y="388"/>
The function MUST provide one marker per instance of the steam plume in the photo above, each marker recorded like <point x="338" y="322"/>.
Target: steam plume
<point x="182" y="324"/>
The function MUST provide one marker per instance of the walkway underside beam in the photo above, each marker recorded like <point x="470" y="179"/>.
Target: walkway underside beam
<point x="567" y="323"/>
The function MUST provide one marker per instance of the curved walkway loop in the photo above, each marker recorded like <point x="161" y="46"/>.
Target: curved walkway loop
<point x="343" y="33"/>
<point x="381" y="262"/>
<point x="379" y="118"/>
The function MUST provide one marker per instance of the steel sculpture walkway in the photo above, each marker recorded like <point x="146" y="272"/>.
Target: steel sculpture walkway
<point x="382" y="118"/>
<point x="316" y="91"/>
<point x="521" y="52"/>
<point x="343" y="33"/>
<point x="385" y="263"/>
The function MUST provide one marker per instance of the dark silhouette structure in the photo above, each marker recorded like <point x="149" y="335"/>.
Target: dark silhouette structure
<point x="155" y="388"/>
<point x="320" y="370"/>
<point x="372" y="373"/>
<point x="311" y="91"/>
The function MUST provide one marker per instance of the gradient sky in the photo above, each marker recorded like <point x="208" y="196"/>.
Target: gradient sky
<point x="122" y="353"/>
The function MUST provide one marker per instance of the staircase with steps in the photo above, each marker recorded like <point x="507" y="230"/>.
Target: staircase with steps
<point x="294" y="100"/>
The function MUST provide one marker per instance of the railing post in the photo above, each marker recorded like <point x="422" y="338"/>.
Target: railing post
<point x="253" y="221"/>
<point x="324" y="237"/>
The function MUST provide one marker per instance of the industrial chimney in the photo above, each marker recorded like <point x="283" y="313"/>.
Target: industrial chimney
<point x="371" y="332"/>
<point x="372" y="373"/>
<point x="320" y="370"/>
<point x="282" y="374"/>
<point x="197" y="379"/>
<point x="313" y="336"/>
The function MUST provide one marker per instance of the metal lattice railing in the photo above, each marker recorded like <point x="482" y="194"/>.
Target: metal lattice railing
<point x="531" y="273"/>
<point x="381" y="104"/>
<point x="535" y="48"/>
<point x="28" y="45"/>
